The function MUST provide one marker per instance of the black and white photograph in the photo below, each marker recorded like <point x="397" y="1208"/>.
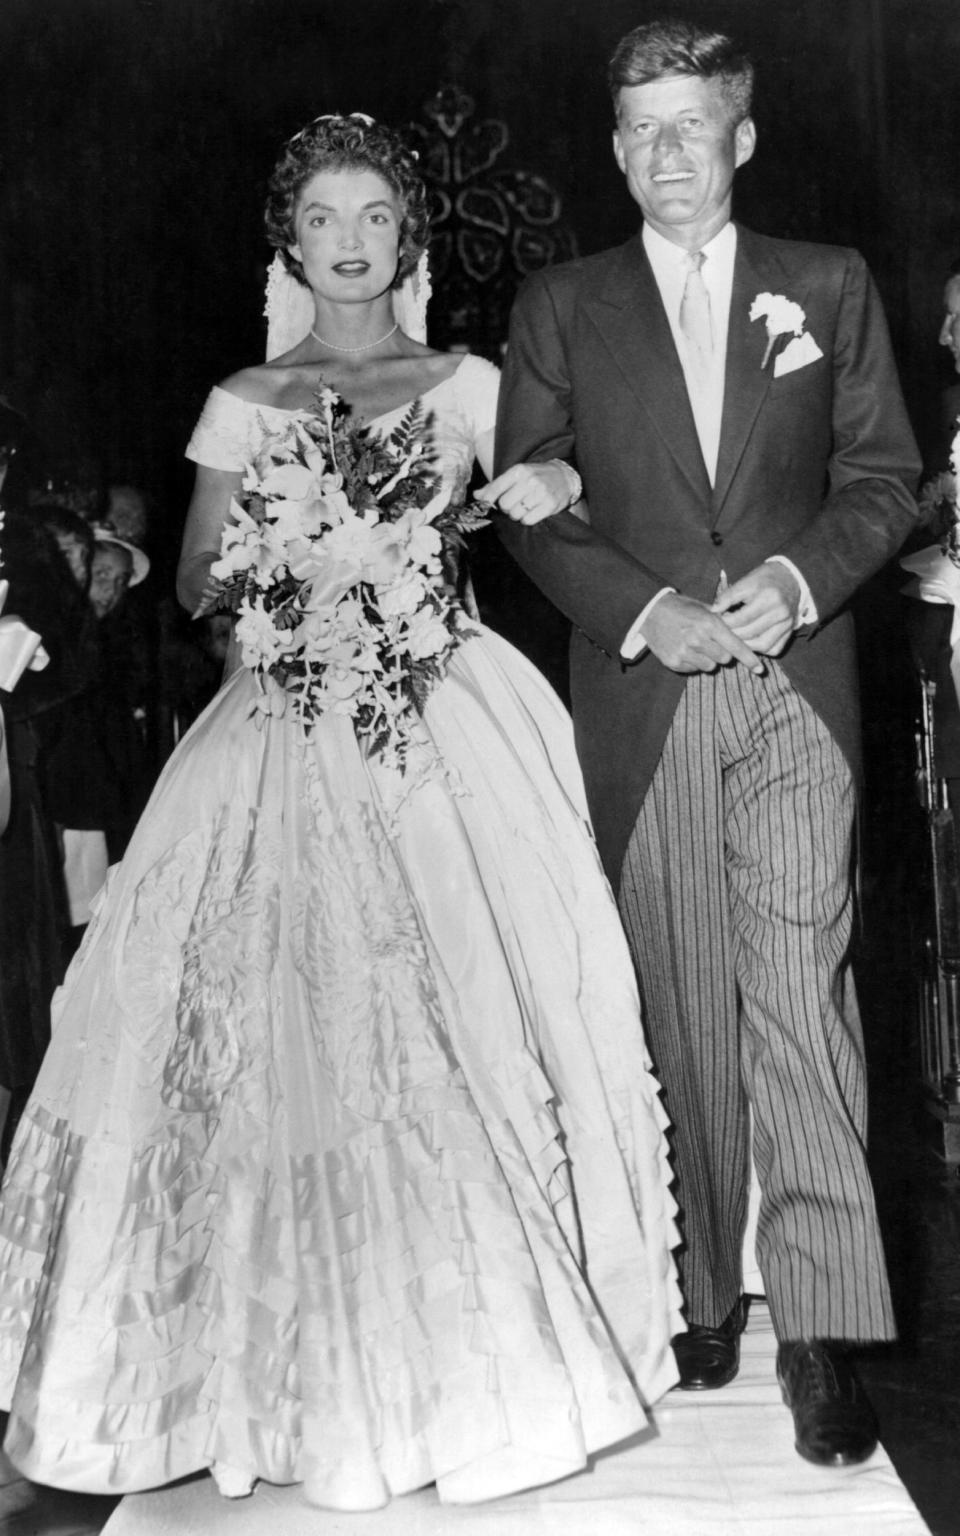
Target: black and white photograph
<point x="479" y="760"/>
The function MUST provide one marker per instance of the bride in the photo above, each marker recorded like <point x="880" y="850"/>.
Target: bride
<point x="346" y="1165"/>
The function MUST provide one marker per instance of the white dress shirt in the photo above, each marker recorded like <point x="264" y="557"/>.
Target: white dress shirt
<point x="704" y="383"/>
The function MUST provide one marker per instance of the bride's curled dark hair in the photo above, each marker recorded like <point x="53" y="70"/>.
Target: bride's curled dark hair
<point x="348" y="144"/>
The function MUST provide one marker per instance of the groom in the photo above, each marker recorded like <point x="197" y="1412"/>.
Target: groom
<point x="732" y="406"/>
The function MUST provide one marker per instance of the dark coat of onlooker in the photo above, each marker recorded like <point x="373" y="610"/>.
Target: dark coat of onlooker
<point x="32" y="898"/>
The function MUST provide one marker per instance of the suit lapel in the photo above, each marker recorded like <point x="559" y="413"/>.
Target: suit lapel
<point x="630" y="317"/>
<point x="746" y="381"/>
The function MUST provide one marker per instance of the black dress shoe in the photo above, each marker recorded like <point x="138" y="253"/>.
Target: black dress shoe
<point x="833" y="1422"/>
<point x="708" y="1358"/>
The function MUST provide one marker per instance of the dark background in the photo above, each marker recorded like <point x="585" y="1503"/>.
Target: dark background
<point x="137" y="136"/>
<point x="135" y="140"/>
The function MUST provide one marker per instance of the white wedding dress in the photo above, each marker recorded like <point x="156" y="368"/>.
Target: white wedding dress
<point x="345" y="1166"/>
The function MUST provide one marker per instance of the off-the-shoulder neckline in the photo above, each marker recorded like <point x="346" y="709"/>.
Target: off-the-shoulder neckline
<point x="395" y="410"/>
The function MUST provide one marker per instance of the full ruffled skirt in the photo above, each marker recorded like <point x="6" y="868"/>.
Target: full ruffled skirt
<point x="345" y="1166"/>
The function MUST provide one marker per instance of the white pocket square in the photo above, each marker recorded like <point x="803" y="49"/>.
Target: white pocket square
<point x="797" y="354"/>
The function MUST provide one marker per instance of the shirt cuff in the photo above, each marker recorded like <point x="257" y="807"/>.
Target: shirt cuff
<point x="807" y="611"/>
<point x="574" y="483"/>
<point x="634" y="644"/>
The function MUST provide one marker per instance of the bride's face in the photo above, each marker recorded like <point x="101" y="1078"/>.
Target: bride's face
<point x="347" y="225"/>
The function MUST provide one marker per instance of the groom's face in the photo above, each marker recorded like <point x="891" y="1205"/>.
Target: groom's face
<point x="678" y="146"/>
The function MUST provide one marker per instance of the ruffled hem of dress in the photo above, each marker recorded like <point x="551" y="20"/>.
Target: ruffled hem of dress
<point x="236" y="1228"/>
<point x="177" y="1337"/>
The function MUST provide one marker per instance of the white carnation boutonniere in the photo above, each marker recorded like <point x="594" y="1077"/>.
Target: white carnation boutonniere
<point x="783" y="317"/>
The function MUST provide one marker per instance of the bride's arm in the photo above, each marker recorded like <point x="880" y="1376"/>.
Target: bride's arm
<point x="207" y="514"/>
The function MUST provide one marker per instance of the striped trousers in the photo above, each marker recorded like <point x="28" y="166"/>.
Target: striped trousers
<point x="735" y="894"/>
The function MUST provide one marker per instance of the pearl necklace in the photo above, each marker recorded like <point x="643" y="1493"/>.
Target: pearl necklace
<point x="366" y="346"/>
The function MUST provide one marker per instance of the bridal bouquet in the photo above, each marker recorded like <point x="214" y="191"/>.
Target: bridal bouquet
<point x="338" y="566"/>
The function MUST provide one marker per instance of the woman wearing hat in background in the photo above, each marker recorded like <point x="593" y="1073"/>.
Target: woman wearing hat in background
<point x="117" y="566"/>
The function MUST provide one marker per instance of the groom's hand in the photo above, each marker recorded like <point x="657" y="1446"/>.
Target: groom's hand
<point x="687" y="636"/>
<point x="761" y="608"/>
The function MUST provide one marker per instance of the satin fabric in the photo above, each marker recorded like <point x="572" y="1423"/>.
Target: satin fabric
<point x="346" y="1165"/>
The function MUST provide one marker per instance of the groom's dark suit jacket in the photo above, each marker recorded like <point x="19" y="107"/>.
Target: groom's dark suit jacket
<point x="817" y="464"/>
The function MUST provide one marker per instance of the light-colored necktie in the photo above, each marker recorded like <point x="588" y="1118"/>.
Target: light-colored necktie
<point x="696" y="322"/>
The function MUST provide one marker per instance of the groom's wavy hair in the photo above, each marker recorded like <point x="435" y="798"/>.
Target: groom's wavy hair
<point x="660" y="49"/>
<point x="351" y="143"/>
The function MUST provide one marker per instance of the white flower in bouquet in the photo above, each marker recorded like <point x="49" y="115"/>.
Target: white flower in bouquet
<point x="342" y="684"/>
<point x="426" y="635"/>
<point x="250" y="549"/>
<point x="353" y="539"/>
<point x="261" y="643"/>
<point x="402" y="597"/>
<point x="399" y="548"/>
<point x="423" y="538"/>
<point x="288" y="482"/>
<point x="324" y="581"/>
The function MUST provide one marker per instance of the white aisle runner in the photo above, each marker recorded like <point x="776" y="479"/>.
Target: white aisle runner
<point x="714" y="1464"/>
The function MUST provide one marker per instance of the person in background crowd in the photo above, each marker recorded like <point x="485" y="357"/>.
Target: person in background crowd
<point x="127" y="634"/>
<point x="143" y="616"/>
<point x="18" y="456"/>
<point x="29" y="858"/>
<point x="33" y="916"/>
<point x="117" y="565"/>
<point x="72" y="533"/>
<point x="933" y="627"/>
<point x="190" y="664"/>
<point x="127" y="513"/>
<point x="949" y="414"/>
<point x="95" y="773"/>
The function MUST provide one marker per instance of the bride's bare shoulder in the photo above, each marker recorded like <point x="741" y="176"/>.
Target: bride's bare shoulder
<point x="441" y="365"/>
<point x="263" y="384"/>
